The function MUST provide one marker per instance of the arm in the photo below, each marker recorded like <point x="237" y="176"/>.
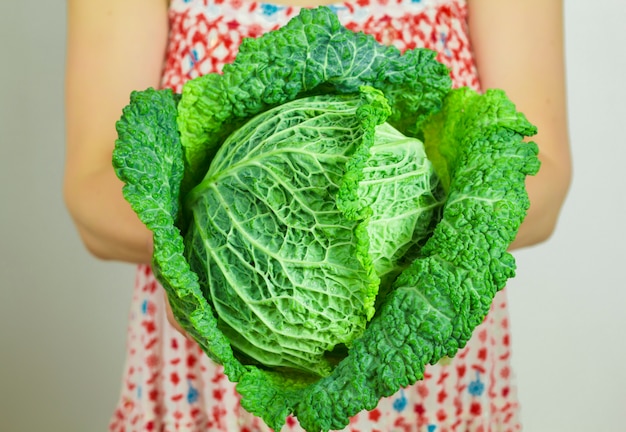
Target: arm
<point x="518" y="46"/>
<point x="114" y="47"/>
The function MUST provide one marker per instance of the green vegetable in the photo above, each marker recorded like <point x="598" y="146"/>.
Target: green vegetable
<point x="307" y="239"/>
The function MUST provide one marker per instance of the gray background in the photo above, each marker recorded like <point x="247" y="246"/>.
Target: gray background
<point x="63" y="314"/>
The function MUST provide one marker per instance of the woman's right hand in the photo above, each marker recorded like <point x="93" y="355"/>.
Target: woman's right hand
<point x="170" y="316"/>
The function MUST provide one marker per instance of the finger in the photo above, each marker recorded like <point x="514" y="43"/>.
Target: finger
<point x="170" y="316"/>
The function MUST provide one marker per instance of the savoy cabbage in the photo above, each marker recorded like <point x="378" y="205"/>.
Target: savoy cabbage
<point x="328" y="215"/>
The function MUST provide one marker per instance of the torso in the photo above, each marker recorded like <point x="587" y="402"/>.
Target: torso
<point x="303" y="3"/>
<point x="207" y="32"/>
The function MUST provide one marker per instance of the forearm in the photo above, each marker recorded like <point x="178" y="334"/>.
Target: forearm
<point x="518" y="47"/>
<point x="113" y="48"/>
<point x="546" y="203"/>
<point x="108" y="226"/>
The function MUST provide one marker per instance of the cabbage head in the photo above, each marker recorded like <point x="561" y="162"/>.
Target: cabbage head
<point x="329" y="215"/>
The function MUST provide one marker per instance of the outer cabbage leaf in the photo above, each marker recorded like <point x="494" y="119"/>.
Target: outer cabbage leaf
<point x="313" y="53"/>
<point x="148" y="158"/>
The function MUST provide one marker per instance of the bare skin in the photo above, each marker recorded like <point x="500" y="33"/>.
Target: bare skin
<point x="117" y="46"/>
<point x="518" y="47"/>
<point x="103" y="66"/>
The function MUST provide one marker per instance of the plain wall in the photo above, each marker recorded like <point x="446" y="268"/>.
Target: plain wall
<point x="63" y="314"/>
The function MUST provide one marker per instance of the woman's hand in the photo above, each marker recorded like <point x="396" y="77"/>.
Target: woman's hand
<point x="170" y="316"/>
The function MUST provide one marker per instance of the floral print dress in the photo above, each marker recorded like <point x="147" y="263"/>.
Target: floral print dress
<point x="170" y="385"/>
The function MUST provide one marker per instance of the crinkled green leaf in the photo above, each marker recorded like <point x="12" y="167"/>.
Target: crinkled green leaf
<point x="148" y="158"/>
<point x="147" y="136"/>
<point x="313" y="53"/>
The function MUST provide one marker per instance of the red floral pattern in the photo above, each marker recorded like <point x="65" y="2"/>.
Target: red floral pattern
<point x="170" y="385"/>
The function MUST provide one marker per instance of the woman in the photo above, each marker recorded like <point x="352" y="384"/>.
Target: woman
<point x="118" y="46"/>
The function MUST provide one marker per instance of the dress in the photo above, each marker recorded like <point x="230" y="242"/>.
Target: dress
<point x="170" y="385"/>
